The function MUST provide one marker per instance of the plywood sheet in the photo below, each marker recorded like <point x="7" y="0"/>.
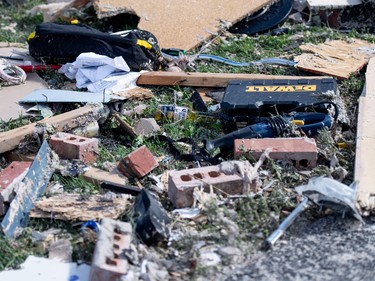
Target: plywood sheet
<point x="180" y="23"/>
<point x="365" y="145"/>
<point x="335" y="58"/>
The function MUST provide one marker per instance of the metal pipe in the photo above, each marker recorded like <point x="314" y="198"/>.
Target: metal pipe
<point x="271" y="240"/>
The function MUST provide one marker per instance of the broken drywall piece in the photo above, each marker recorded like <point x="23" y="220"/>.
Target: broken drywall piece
<point x="76" y="207"/>
<point x="42" y="269"/>
<point x="336" y="58"/>
<point x="63" y="96"/>
<point x="180" y="24"/>
<point x="32" y="187"/>
<point x="332" y="4"/>
<point x="10" y="95"/>
<point x="60" y="250"/>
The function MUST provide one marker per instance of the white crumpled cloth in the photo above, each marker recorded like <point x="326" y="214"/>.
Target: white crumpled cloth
<point x="100" y="73"/>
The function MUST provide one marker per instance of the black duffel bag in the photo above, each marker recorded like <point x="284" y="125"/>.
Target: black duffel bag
<point x="54" y="43"/>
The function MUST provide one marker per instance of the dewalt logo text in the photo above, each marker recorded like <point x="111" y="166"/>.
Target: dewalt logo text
<point x="290" y="88"/>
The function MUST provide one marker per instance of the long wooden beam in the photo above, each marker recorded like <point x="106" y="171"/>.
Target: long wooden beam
<point x="200" y="79"/>
<point x="365" y="145"/>
<point x="10" y="140"/>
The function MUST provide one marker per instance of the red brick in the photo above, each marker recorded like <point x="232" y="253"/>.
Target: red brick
<point x="138" y="163"/>
<point x="302" y="152"/>
<point x="181" y="184"/>
<point x="69" y="146"/>
<point x="11" y="177"/>
<point x="109" y="261"/>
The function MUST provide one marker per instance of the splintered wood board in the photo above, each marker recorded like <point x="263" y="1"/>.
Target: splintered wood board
<point x="75" y="207"/>
<point x="365" y="145"/>
<point x="180" y="23"/>
<point x="335" y="58"/>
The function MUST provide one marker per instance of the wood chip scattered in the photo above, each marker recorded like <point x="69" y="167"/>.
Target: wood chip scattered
<point x="336" y="58"/>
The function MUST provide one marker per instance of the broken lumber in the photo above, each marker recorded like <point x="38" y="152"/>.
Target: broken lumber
<point x="200" y="79"/>
<point x="64" y="122"/>
<point x="365" y="145"/>
<point x="98" y="176"/>
<point x="336" y="58"/>
<point x="125" y="125"/>
<point x="76" y="207"/>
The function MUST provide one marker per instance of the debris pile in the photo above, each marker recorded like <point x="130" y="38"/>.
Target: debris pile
<point x="144" y="154"/>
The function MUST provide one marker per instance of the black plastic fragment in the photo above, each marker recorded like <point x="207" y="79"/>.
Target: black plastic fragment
<point x="126" y="189"/>
<point x="265" y="20"/>
<point x="151" y="219"/>
<point x="198" y="103"/>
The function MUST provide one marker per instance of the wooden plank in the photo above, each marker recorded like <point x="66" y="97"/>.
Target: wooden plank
<point x="180" y="24"/>
<point x="66" y="121"/>
<point x="98" y="176"/>
<point x="365" y="145"/>
<point x="335" y="58"/>
<point x="200" y="79"/>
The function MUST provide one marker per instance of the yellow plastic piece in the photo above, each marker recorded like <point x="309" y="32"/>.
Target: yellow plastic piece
<point x="298" y="122"/>
<point x="144" y="43"/>
<point x="74" y="21"/>
<point x="31" y="36"/>
<point x="342" y="145"/>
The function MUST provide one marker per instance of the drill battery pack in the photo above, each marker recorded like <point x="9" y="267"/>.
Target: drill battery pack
<point x="245" y="101"/>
